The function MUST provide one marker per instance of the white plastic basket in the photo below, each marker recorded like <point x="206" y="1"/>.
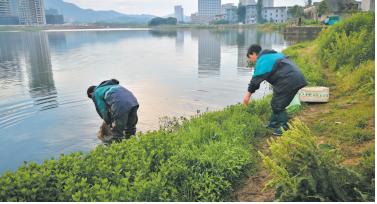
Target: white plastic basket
<point x="315" y="94"/>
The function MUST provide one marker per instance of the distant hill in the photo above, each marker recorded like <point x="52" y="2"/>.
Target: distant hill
<point x="73" y="13"/>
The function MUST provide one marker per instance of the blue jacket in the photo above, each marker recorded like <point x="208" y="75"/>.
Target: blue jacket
<point x="277" y="70"/>
<point x="112" y="100"/>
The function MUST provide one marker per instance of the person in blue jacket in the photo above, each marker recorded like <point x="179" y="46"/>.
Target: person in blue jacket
<point x="285" y="77"/>
<point x="117" y="106"/>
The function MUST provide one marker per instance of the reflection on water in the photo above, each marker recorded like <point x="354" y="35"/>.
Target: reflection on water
<point x="41" y="82"/>
<point x="31" y="51"/>
<point x="209" y="53"/>
<point x="299" y="37"/>
<point x="44" y="76"/>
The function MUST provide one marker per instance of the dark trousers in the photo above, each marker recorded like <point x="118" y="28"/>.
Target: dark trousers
<point x="125" y="125"/>
<point x="279" y="103"/>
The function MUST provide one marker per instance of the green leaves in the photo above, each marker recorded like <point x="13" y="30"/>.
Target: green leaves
<point x="302" y="171"/>
<point x="187" y="160"/>
<point x="351" y="42"/>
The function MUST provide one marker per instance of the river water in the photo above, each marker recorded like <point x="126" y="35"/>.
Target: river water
<point x="44" y="110"/>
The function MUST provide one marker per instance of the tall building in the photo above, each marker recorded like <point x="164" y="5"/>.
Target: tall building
<point x="14" y="7"/>
<point x="224" y="7"/>
<point x="5" y="8"/>
<point x="7" y="17"/>
<point x="178" y="13"/>
<point x="208" y="9"/>
<point x="268" y="3"/>
<point x="31" y="12"/>
<point x="247" y="2"/>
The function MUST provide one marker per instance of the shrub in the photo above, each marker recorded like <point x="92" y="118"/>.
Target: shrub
<point x="303" y="171"/>
<point x="199" y="160"/>
<point x="350" y="42"/>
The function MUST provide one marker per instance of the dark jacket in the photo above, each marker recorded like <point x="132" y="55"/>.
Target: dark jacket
<point x="277" y="70"/>
<point x="112" y="100"/>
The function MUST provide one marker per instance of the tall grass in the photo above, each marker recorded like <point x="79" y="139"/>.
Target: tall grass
<point x="350" y="42"/>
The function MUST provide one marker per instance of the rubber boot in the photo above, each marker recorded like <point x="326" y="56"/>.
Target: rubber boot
<point x="130" y="132"/>
<point x="283" y="120"/>
<point x="283" y="123"/>
<point x="273" y="121"/>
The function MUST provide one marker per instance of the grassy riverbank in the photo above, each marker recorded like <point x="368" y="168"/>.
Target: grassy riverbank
<point x="330" y="156"/>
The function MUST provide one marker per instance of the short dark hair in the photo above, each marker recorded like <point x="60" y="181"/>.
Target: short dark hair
<point x="254" y="49"/>
<point x="90" y="91"/>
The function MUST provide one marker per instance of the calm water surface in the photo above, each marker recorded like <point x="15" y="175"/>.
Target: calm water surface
<point x="44" y="111"/>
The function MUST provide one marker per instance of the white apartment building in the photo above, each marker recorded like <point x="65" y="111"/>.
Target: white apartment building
<point x="251" y="14"/>
<point x="275" y="14"/>
<point x="31" y="12"/>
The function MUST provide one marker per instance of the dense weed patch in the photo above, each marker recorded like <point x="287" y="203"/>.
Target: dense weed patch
<point x="303" y="171"/>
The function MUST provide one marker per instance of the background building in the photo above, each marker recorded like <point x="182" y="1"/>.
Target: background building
<point x="268" y="3"/>
<point x="53" y="17"/>
<point x="5" y="8"/>
<point x="31" y="12"/>
<point x="208" y="9"/>
<point x="231" y="14"/>
<point x="229" y="11"/>
<point x="224" y="7"/>
<point x="275" y="14"/>
<point x="6" y="14"/>
<point x="178" y="13"/>
<point x="251" y="14"/>
<point x="247" y="2"/>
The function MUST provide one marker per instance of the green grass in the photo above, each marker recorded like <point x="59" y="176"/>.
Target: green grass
<point x="201" y="159"/>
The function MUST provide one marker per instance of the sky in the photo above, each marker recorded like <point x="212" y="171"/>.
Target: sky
<point x="157" y="7"/>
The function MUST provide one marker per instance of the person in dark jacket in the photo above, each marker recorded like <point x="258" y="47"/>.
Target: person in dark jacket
<point x="117" y="106"/>
<point x="283" y="75"/>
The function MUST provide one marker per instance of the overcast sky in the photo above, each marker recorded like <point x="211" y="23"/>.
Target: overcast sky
<point x="156" y="7"/>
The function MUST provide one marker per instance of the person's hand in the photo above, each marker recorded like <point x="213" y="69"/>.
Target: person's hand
<point x="246" y="98"/>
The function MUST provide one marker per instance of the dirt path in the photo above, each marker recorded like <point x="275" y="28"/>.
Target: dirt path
<point x="252" y="188"/>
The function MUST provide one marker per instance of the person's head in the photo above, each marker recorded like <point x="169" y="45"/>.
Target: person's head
<point x="90" y="91"/>
<point x="253" y="52"/>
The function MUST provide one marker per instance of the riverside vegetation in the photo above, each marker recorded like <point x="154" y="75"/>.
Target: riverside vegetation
<point x="330" y="157"/>
<point x="206" y="157"/>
